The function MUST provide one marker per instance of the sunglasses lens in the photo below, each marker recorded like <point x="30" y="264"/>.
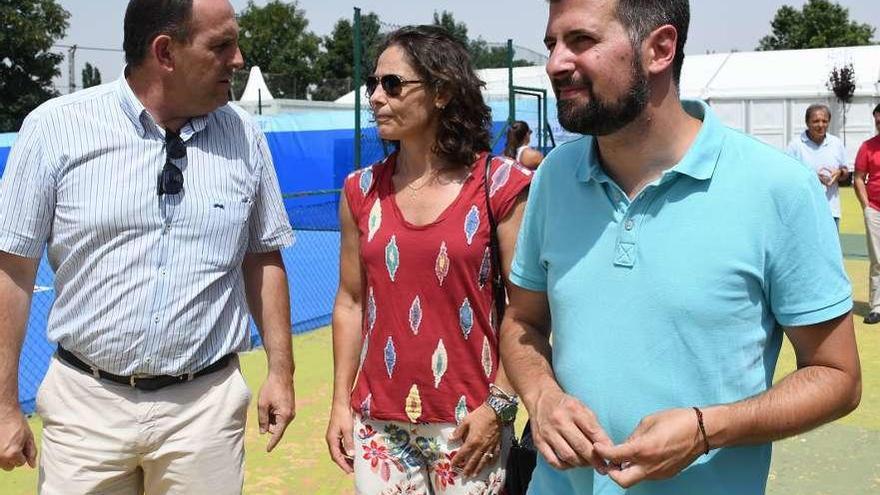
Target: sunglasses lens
<point x="372" y="84"/>
<point x="392" y="84"/>
<point x="171" y="179"/>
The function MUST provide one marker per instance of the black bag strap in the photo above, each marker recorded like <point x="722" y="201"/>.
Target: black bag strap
<point x="498" y="291"/>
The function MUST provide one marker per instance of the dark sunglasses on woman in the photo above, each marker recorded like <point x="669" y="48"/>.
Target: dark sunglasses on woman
<point x="392" y="84"/>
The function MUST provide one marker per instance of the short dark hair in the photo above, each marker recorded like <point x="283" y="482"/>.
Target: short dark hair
<point x="641" y="17"/>
<point x="146" y="19"/>
<point x="443" y="64"/>
<point x="816" y="107"/>
<point x="876" y="109"/>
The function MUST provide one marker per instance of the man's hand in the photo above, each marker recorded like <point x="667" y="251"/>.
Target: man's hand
<point x="17" y="445"/>
<point x="826" y="176"/>
<point x="339" y="438"/>
<point x="565" y="431"/>
<point x="660" y="447"/>
<point x="276" y="407"/>
<point x="481" y="434"/>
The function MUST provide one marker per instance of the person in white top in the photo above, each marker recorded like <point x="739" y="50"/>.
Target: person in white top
<point x="822" y="152"/>
<point x="518" y="137"/>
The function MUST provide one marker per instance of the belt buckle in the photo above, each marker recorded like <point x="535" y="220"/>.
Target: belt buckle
<point x="132" y="380"/>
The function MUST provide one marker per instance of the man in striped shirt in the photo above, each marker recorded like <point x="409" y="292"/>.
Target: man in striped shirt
<point x="160" y="213"/>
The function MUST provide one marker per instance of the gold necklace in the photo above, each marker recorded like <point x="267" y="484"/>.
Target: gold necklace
<point x="413" y="190"/>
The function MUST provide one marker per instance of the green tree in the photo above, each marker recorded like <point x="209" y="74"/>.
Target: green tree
<point x="91" y="76"/>
<point x="275" y="37"/>
<point x="457" y="29"/>
<point x="482" y="55"/>
<point x="819" y="24"/>
<point x="335" y="63"/>
<point x="28" y="28"/>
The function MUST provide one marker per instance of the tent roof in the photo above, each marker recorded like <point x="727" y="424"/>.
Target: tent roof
<point x="256" y="88"/>
<point x="786" y="73"/>
<point x="790" y="73"/>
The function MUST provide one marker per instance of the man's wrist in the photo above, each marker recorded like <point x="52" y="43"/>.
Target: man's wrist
<point x="533" y="394"/>
<point x="283" y="373"/>
<point x="280" y="364"/>
<point x="716" y="424"/>
<point x="702" y="442"/>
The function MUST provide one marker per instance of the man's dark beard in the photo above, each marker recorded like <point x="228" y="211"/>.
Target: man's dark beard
<point x="598" y="117"/>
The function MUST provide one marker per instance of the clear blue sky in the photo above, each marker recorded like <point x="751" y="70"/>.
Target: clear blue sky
<point x="716" y="25"/>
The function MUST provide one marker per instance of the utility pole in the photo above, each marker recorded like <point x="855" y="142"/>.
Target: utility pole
<point x="71" y="67"/>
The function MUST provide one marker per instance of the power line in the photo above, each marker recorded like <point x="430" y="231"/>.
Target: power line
<point x="92" y="48"/>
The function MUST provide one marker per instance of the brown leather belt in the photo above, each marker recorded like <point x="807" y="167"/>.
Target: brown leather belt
<point x="140" y="382"/>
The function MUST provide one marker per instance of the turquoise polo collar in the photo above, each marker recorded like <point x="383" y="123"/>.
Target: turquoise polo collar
<point x="699" y="162"/>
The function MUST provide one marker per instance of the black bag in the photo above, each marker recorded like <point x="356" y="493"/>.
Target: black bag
<point x="522" y="456"/>
<point x="521" y="462"/>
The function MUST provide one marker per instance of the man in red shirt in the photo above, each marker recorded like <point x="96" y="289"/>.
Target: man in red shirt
<point x="866" y="183"/>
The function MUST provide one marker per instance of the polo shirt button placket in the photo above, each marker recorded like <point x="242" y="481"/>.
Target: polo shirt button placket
<point x="625" y="252"/>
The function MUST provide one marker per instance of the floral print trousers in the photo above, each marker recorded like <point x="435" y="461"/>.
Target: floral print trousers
<point x="396" y="458"/>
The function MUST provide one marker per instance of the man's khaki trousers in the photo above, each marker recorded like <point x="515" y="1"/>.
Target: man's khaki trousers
<point x="103" y="438"/>
<point x="872" y="233"/>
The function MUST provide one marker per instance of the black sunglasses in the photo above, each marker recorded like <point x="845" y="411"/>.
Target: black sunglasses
<point x="171" y="178"/>
<point x="392" y="84"/>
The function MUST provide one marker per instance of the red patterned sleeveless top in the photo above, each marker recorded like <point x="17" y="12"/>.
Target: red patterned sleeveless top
<point x="430" y="337"/>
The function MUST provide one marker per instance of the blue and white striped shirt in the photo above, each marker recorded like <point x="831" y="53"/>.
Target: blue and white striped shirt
<point x="144" y="283"/>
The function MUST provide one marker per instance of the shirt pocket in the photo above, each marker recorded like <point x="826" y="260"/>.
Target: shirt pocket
<point x="225" y="225"/>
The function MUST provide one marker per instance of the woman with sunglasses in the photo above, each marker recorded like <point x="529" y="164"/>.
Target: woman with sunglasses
<point x="517" y="147"/>
<point x="420" y="403"/>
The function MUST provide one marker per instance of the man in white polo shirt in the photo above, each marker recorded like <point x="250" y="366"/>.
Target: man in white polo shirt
<point x="823" y="153"/>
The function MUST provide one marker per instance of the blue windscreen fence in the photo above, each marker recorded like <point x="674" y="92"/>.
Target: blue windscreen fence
<point x="313" y="153"/>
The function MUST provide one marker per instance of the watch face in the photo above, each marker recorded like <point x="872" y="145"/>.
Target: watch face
<point x="506" y="411"/>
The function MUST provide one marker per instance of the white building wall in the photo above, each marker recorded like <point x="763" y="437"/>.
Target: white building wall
<point x="778" y="121"/>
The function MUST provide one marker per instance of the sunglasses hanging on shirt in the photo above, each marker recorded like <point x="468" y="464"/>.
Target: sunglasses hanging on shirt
<point x="171" y="178"/>
<point x="392" y="84"/>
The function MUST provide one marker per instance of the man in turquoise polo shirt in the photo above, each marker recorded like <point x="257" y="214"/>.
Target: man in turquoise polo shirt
<point x="671" y="254"/>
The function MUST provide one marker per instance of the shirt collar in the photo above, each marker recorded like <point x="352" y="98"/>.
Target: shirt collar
<point x="139" y="116"/>
<point x="131" y="105"/>
<point x="701" y="158"/>
<point x="699" y="162"/>
<point x="805" y="137"/>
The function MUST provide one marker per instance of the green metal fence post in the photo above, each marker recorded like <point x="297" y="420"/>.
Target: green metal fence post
<point x="511" y="116"/>
<point x="358" y="77"/>
<point x="546" y="125"/>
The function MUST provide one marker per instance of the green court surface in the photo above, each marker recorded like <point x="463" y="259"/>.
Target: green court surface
<point x="840" y="458"/>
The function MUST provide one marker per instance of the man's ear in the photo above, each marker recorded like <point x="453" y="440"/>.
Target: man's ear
<point x="659" y="49"/>
<point x="161" y="50"/>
